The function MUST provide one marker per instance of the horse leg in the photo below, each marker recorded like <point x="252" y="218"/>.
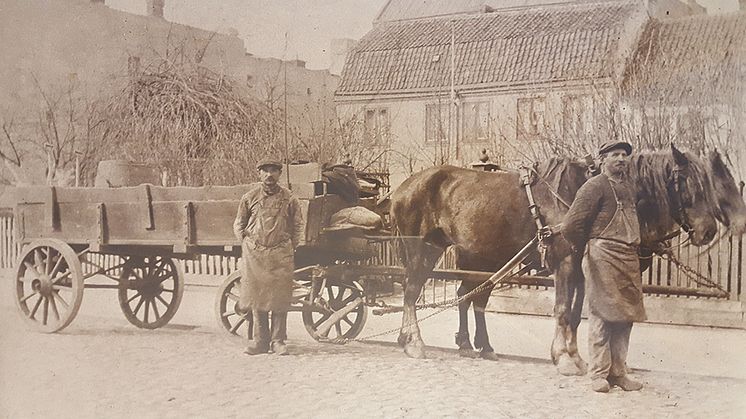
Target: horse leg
<point x="563" y="304"/>
<point x="462" y="336"/>
<point x="422" y="262"/>
<point x="409" y="335"/>
<point x="481" y="337"/>
<point x="578" y="285"/>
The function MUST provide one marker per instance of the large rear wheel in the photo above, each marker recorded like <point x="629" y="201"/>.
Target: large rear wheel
<point x="230" y="318"/>
<point x="48" y="285"/>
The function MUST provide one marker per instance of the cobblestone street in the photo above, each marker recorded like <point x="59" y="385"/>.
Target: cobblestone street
<point x="100" y="366"/>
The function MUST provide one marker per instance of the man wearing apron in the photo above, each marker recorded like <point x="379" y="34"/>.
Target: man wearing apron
<point x="602" y="223"/>
<point x="270" y="225"/>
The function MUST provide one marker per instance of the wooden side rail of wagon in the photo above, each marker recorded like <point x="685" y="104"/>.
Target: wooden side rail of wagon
<point x="148" y="227"/>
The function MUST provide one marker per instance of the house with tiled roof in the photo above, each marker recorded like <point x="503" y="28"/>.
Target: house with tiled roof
<point x="436" y="82"/>
<point x="689" y="75"/>
<point x="439" y="89"/>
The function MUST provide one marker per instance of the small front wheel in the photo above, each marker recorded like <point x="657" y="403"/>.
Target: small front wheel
<point x="150" y="290"/>
<point x="331" y="299"/>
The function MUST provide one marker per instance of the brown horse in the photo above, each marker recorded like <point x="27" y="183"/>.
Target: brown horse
<point x="486" y="216"/>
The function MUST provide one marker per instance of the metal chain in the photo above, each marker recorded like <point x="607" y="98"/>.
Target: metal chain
<point x="692" y="274"/>
<point x="445" y="305"/>
<point x="697" y="277"/>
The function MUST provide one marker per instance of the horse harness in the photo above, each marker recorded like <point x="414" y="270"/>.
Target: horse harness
<point x="544" y="233"/>
<point x="678" y="178"/>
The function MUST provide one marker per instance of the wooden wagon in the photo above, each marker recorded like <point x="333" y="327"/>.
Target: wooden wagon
<point x="150" y="228"/>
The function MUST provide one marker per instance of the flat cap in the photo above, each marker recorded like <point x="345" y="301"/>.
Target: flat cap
<point x="269" y="162"/>
<point x="612" y="145"/>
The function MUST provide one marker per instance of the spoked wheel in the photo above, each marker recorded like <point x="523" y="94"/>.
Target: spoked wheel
<point x="150" y="290"/>
<point x="333" y="298"/>
<point x="231" y="320"/>
<point x="49" y="285"/>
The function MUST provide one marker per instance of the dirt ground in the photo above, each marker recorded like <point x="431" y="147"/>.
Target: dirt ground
<point x="101" y="366"/>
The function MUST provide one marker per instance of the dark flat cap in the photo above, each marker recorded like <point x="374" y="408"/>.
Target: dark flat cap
<point x="612" y="145"/>
<point x="269" y="162"/>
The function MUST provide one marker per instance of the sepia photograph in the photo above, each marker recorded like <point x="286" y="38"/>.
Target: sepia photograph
<point x="372" y="208"/>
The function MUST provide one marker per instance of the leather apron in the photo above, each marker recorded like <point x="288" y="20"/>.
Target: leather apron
<point x="267" y="257"/>
<point x="611" y="266"/>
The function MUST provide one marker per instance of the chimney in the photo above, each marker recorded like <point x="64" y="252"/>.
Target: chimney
<point x="155" y="7"/>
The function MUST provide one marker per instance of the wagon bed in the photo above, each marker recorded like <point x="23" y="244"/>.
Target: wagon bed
<point x="148" y="227"/>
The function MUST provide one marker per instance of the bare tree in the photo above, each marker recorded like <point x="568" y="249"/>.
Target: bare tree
<point x="67" y="129"/>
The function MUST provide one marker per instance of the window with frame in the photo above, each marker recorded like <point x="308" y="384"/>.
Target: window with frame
<point x="377" y="126"/>
<point x="530" y="124"/>
<point x="577" y="116"/>
<point x="476" y="117"/>
<point x="436" y="123"/>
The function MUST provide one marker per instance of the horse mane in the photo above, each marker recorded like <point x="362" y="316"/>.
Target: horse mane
<point x="651" y="171"/>
<point x="564" y="175"/>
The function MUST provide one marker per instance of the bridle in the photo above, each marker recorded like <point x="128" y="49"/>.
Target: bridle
<point x="681" y="197"/>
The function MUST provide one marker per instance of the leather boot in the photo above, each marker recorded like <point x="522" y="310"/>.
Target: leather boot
<point x="279" y="332"/>
<point x="625" y="383"/>
<point x="600" y="385"/>
<point x="260" y="343"/>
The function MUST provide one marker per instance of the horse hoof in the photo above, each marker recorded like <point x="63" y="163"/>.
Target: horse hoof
<point x="566" y="366"/>
<point x="467" y="353"/>
<point x="489" y="356"/>
<point x="415" y="351"/>
<point x="582" y="365"/>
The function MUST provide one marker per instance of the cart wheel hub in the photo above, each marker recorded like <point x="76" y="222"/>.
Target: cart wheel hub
<point x="151" y="288"/>
<point x="43" y="285"/>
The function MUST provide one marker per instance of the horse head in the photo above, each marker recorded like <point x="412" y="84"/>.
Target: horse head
<point x="729" y="206"/>
<point x="690" y="193"/>
<point x="675" y="193"/>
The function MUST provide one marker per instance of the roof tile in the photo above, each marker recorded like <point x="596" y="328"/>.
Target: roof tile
<point x="689" y="57"/>
<point x="505" y="47"/>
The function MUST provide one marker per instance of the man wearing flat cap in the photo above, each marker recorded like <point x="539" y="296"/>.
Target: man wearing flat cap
<point x="602" y="223"/>
<point x="269" y="225"/>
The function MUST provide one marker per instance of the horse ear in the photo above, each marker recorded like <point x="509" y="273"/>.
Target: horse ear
<point x="678" y="156"/>
<point x="718" y="164"/>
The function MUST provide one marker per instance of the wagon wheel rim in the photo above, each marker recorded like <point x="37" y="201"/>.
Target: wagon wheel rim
<point x="230" y="319"/>
<point x="150" y="291"/>
<point x="334" y="297"/>
<point x="48" y="285"/>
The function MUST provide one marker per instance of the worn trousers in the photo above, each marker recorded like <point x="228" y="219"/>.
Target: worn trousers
<point x="608" y="343"/>
<point x="262" y="333"/>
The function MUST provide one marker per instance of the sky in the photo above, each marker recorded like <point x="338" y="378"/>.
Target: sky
<point x="310" y="25"/>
